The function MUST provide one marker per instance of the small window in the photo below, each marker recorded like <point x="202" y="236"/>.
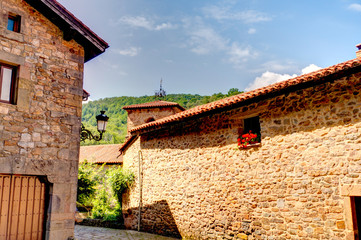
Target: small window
<point x="7" y="83"/>
<point x="252" y="124"/>
<point x="150" y="120"/>
<point x="14" y="23"/>
<point x="356" y="215"/>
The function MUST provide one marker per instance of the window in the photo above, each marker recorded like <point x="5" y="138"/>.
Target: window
<point x="356" y="215"/>
<point x="14" y="23"/>
<point x="252" y="124"/>
<point x="7" y="83"/>
<point x="151" y="119"/>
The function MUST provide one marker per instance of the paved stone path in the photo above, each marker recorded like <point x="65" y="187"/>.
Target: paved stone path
<point x="98" y="233"/>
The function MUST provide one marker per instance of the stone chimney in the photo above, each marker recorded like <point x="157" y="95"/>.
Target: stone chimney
<point x="358" y="53"/>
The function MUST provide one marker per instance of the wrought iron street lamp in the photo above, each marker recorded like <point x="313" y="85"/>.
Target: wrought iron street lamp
<point x="102" y="120"/>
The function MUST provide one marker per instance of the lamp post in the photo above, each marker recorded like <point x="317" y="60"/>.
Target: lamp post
<point x="102" y="120"/>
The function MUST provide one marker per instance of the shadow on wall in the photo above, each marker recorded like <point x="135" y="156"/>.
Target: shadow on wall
<point x="155" y="218"/>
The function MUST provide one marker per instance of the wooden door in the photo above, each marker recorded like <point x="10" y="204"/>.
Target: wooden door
<point x="22" y="207"/>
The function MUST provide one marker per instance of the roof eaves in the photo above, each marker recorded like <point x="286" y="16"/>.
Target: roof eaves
<point x="155" y="104"/>
<point x="127" y="143"/>
<point x="71" y="26"/>
<point x="294" y="84"/>
<point x="110" y="161"/>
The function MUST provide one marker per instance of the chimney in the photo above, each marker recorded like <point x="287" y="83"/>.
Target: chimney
<point x="358" y="53"/>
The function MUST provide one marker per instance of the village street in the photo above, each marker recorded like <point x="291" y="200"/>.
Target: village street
<point x="99" y="233"/>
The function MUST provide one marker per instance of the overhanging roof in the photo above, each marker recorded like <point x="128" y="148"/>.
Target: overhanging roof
<point x="290" y="85"/>
<point x="154" y="104"/>
<point x="100" y="154"/>
<point x="71" y="26"/>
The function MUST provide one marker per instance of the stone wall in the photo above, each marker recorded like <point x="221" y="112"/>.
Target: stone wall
<point x="39" y="134"/>
<point x="295" y="185"/>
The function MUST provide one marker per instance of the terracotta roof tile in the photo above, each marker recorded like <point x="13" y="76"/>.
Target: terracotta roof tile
<point x="155" y="104"/>
<point x="100" y="154"/>
<point x="293" y="84"/>
<point x="126" y="144"/>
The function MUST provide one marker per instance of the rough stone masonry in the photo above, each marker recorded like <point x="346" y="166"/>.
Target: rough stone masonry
<point x="39" y="132"/>
<point x="296" y="184"/>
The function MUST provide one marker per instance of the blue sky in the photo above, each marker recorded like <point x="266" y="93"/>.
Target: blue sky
<point x="205" y="47"/>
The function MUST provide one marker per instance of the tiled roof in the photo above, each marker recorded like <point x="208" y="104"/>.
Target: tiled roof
<point x="126" y="144"/>
<point x="155" y="104"/>
<point x="86" y="95"/>
<point x="108" y="154"/>
<point x="294" y="84"/>
<point x="71" y="26"/>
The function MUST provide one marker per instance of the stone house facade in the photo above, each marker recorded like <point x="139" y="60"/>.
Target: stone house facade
<point x="148" y="112"/>
<point x="302" y="181"/>
<point x="43" y="48"/>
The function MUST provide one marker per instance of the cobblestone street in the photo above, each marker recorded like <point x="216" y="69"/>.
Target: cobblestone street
<point x="90" y="233"/>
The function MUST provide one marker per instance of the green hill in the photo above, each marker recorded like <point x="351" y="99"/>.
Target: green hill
<point x="117" y="124"/>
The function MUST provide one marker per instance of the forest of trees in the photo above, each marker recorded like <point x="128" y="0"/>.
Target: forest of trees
<point x="117" y="124"/>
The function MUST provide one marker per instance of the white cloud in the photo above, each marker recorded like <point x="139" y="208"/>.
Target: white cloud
<point x="225" y="13"/>
<point x="138" y="21"/>
<point x="276" y="66"/>
<point x="164" y="26"/>
<point x="355" y="7"/>
<point x="310" y="68"/>
<point x="133" y="51"/>
<point x="268" y="77"/>
<point x="238" y="54"/>
<point x="252" y="31"/>
<point x="203" y="39"/>
<point x="142" y="22"/>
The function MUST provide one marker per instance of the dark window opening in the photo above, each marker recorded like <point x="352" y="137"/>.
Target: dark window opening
<point x="252" y="124"/>
<point x="7" y="83"/>
<point x="150" y="120"/>
<point x="356" y="216"/>
<point x="14" y="23"/>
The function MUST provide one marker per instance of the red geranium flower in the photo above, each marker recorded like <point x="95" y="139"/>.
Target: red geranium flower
<point x="249" y="138"/>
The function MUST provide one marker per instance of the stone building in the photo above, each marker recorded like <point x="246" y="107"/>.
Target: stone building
<point x="139" y="114"/>
<point x="302" y="180"/>
<point x="43" y="48"/>
<point x="149" y="112"/>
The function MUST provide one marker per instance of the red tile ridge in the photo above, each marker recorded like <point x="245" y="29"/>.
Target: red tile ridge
<point x="154" y="104"/>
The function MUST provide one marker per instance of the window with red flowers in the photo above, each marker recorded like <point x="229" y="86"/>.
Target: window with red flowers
<point x="252" y="124"/>
<point x="251" y="134"/>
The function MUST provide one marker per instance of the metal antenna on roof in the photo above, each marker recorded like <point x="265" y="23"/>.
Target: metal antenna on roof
<point x="161" y="93"/>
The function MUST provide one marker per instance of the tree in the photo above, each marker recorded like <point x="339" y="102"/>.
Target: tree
<point x="233" y="91"/>
<point x="86" y="183"/>
<point x="120" y="179"/>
